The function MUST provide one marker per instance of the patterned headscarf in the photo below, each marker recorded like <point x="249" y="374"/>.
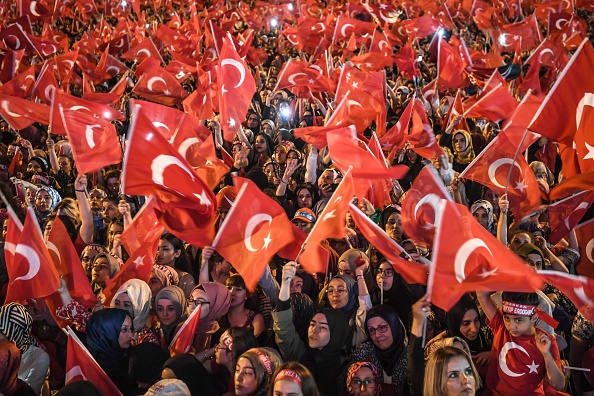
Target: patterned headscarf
<point x="139" y="294"/>
<point x="487" y="206"/>
<point x="15" y="324"/>
<point x="56" y="198"/>
<point x="353" y="368"/>
<point x="167" y="275"/>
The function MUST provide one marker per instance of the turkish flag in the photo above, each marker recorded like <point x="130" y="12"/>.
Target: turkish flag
<point x="152" y="166"/>
<point x="87" y="107"/>
<point x="566" y="214"/>
<point x="144" y="223"/>
<point x="251" y="232"/>
<point x="569" y="96"/>
<point x="421" y="204"/>
<point x="495" y="103"/>
<point x="21" y="85"/>
<point x="94" y="141"/>
<point x="421" y="27"/>
<point x="410" y="271"/>
<point x="585" y="236"/>
<point x="200" y="102"/>
<point x="578" y="182"/>
<point x="456" y="109"/>
<point x="466" y="257"/>
<point x="68" y="264"/>
<point x="516" y="126"/>
<point x="313" y="259"/>
<point x="527" y="32"/>
<point x="372" y="61"/>
<point x="492" y="168"/>
<point x="15" y="37"/>
<point x="184" y="337"/>
<point x="63" y="65"/>
<point x="380" y="44"/>
<point x="10" y="64"/>
<point x="109" y="98"/>
<point x="138" y="266"/>
<point x="107" y="68"/>
<point x="346" y="26"/>
<point x="548" y="54"/>
<point x="395" y="138"/>
<point x="29" y="264"/>
<point x="300" y="78"/>
<point x="160" y="86"/>
<point x="421" y="137"/>
<point x="451" y="67"/>
<point x="80" y="365"/>
<point x="346" y="150"/>
<point x="20" y="113"/>
<point x="315" y="135"/>
<point x="141" y="51"/>
<point x="579" y="289"/>
<point x="236" y="89"/>
<point x="406" y="61"/>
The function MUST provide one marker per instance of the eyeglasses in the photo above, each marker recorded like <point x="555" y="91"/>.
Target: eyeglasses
<point x="85" y="259"/>
<point x="221" y="346"/>
<point x="336" y="291"/>
<point x="387" y="273"/>
<point x="363" y="383"/>
<point x="380" y="329"/>
<point x="125" y="330"/>
<point x="197" y="302"/>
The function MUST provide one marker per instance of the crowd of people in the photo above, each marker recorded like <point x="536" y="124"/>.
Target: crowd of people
<point x="359" y="328"/>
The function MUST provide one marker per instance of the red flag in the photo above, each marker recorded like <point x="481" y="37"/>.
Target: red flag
<point x="566" y="214"/>
<point x="152" y="166"/>
<point x="315" y="135"/>
<point x="421" y="27"/>
<point x="15" y="163"/>
<point x="94" y="141"/>
<point x="141" y="51"/>
<point x="184" y="337"/>
<point x="80" y="365"/>
<point x="451" y="67"/>
<point x="10" y="64"/>
<point x="301" y="78"/>
<point x="46" y="84"/>
<point x="421" y="137"/>
<point x="585" y="236"/>
<point x="67" y="262"/>
<point x="21" y="85"/>
<point x="411" y="272"/>
<point x="251" y="233"/>
<point x="421" y="204"/>
<point x="495" y="103"/>
<point x="200" y="102"/>
<point x="579" y="289"/>
<point x="492" y="167"/>
<point x="144" y="223"/>
<point x="138" y="266"/>
<point x="466" y="257"/>
<point x="573" y="97"/>
<point x="160" y="86"/>
<point x="29" y="264"/>
<point x="236" y="89"/>
<point x="516" y="126"/>
<point x="346" y="26"/>
<point x="346" y="150"/>
<point x="396" y="136"/>
<point x="20" y="113"/>
<point x="313" y="260"/>
<point x="527" y="32"/>
<point x="406" y="61"/>
<point x="110" y="98"/>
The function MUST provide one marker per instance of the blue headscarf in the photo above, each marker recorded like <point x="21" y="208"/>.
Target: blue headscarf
<point x="103" y="331"/>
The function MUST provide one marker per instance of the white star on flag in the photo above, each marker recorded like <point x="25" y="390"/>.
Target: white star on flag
<point x="267" y="241"/>
<point x="590" y="149"/>
<point x="533" y="367"/>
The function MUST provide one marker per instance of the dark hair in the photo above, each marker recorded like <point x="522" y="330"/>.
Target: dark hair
<point x="243" y="340"/>
<point x="183" y="261"/>
<point x="521" y="298"/>
<point x="237" y="280"/>
<point x="516" y="232"/>
<point x="308" y="383"/>
<point x="113" y="173"/>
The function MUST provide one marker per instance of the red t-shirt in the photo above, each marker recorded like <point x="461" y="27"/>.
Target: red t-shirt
<point x="517" y="367"/>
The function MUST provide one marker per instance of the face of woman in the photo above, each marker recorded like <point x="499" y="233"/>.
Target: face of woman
<point x="238" y="295"/>
<point x="411" y="155"/>
<point x="459" y="142"/>
<point x="318" y="333"/>
<point x="286" y="387"/>
<point x="393" y="227"/>
<point x="33" y="166"/>
<point x="245" y="378"/>
<point x="385" y="275"/>
<point x="272" y="175"/>
<point x="43" y="201"/>
<point x="338" y="294"/>
<point x="260" y="145"/>
<point x="166" y="312"/>
<point x="155" y="284"/>
<point x="470" y="325"/>
<point x="47" y="230"/>
<point x="126" y="333"/>
<point x="87" y="260"/>
<point x="280" y="155"/>
<point x="267" y="129"/>
<point x="380" y="333"/>
<point x="482" y="217"/>
<point x="198" y="298"/>
<point x="363" y="382"/>
<point x="459" y="378"/>
<point x="296" y="285"/>
<point x="304" y="199"/>
<point x="122" y="301"/>
<point x="65" y="165"/>
<point x="166" y="253"/>
<point x="114" y="229"/>
<point x="101" y="271"/>
<point x="518" y="240"/>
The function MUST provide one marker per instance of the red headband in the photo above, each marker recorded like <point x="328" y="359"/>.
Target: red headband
<point x="290" y="375"/>
<point x="518" y="309"/>
<point x="265" y="360"/>
<point x="227" y="340"/>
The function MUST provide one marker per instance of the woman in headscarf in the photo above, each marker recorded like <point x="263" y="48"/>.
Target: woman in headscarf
<point x="170" y="305"/>
<point x="254" y="370"/>
<point x="213" y="299"/>
<point x="186" y="368"/>
<point x="463" y="156"/>
<point x="15" y="326"/>
<point x="387" y="348"/>
<point x="390" y="222"/>
<point x="329" y="338"/>
<point x="134" y="296"/>
<point x="464" y="321"/>
<point x="46" y="198"/>
<point x="109" y="337"/>
<point x="303" y="309"/>
<point x="105" y="266"/>
<point x="88" y="255"/>
<point x="10" y="359"/>
<point x="78" y="388"/>
<point x="146" y="363"/>
<point x="482" y="211"/>
<point x="364" y="379"/>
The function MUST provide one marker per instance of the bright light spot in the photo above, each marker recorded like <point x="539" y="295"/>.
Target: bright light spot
<point x="107" y="114"/>
<point x="124" y="3"/>
<point x="420" y="58"/>
<point x="440" y="32"/>
<point x="273" y="22"/>
<point x="285" y="112"/>
<point x="290" y="7"/>
<point x="147" y="26"/>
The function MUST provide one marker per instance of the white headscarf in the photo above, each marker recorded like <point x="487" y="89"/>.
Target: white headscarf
<point x="140" y="295"/>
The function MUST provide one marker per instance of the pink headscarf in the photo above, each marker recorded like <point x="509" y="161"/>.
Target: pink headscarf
<point x="219" y="300"/>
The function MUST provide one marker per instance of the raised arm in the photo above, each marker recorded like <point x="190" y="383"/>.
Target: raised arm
<point x="489" y="307"/>
<point x="87" y="225"/>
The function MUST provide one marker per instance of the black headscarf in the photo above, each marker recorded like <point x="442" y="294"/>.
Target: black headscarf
<point x="78" y="388"/>
<point x="454" y="318"/>
<point x="390" y="356"/>
<point x="303" y="309"/>
<point x="386" y="215"/>
<point x="189" y="370"/>
<point x="146" y="362"/>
